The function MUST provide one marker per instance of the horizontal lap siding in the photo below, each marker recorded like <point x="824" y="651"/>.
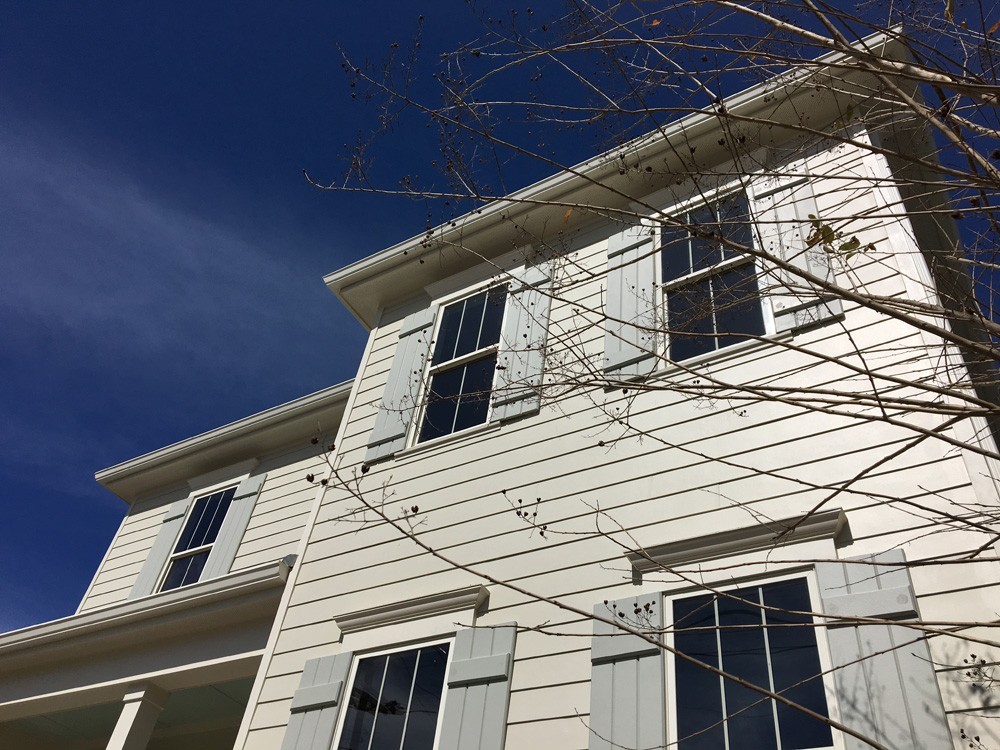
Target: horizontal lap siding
<point x="128" y="552"/>
<point x="704" y="465"/>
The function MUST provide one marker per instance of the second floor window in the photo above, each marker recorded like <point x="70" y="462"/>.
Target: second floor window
<point x="201" y="528"/>
<point x="712" y="299"/>
<point x="463" y="364"/>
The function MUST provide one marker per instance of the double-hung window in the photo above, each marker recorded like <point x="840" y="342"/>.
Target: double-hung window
<point x="711" y="295"/>
<point x="464" y="364"/>
<point x="754" y="633"/>
<point x="201" y="528"/>
<point x="395" y="700"/>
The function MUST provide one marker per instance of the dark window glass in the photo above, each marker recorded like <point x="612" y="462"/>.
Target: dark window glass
<point x="459" y="396"/>
<point x="200" y="530"/>
<point x="699" y="696"/>
<point x="395" y="700"/>
<point x="773" y="649"/>
<point x="721" y="308"/>
<point x="690" y="321"/>
<point x="795" y="665"/>
<point x="185" y="570"/>
<point x="205" y="520"/>
<point x="736" y="304"/>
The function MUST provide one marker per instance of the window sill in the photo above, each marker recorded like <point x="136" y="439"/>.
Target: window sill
<point x="430" y="445"/>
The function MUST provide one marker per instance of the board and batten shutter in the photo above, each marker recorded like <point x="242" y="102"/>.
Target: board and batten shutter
<point x="521" y="358"/>
<point x="403" y="387"/>
<point x="234" y="525"/>
<point x="478" y="694"/>
<point x="630" y="304"/>
<point x="163" y="545"/>
<point x="885" y="681"/>
<point x="628" y="682"/>
<point x="317" y="702"/>
<point x="781" y="208"/>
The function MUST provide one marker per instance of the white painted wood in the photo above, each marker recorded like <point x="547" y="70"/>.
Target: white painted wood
<point x="629" y="339"/>
<point x="140" y="708"/>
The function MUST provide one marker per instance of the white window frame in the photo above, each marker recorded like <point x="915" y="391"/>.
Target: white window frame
<point x="822" y="646"/>
<point x="430" y="370"/>
<point x="195" y="496"/>
<point x="664" y="286"/>
<point x="356" y="661"/>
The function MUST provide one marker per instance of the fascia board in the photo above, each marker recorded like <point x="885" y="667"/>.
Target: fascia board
<point x="352" y="284"/>
<point x="210" y="603"/>
<point x="250" y="437"/>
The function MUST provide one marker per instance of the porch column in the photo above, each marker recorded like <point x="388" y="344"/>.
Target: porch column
<point x="141" y="707"/>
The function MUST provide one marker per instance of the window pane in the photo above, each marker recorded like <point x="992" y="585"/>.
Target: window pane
<point x="737" y="304"/>
<point x="734" y="221"/>
<point x="750" y="715"/>
<point x="472" y="323"/>
<point x="361" y="707"/>
<point x="394" y="701"/>
<point x="447" y="338"/>
<point x="675" y="251"/>
<point x="496" y="299"/>
<point x="185" y="570"/>
<point x="705" y="251"/>
<point x="476" y="386"/>
<point x="699" y="692"/>
<point x="689" y="319"/>
<point x="795" y="658"/>
<point x="202" y="526"/>
<point x="421" y="722"/>
<point x="442" y="400"/>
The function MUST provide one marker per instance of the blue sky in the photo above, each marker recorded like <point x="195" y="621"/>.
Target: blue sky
<point x="161" y="256"/>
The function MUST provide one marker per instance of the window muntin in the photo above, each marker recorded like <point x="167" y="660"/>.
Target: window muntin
<point x="463" y="364"/>
<point x="195" y="543"/>
<point x="711" y="293"/>
<point x="766" y="645"/>
<point x="395" y="700"/>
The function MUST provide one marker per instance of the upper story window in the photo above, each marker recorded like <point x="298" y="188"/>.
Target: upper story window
<point x="463" y="364"/>
<point x="753" y="633"/>
<point x="395" y="700"/>
<point x="712" y="299"/>
<point x="201" y="529"/>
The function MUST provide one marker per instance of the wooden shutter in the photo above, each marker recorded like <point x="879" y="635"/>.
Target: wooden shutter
<point x="886" y="686"/>
<point x="628" y="683"/>
<point x="520" y="362"/>
<point x="404" y="386"/>
<point x="781" y="211"/>
<point x="316" y="704"/>
<point x="630" y="306"/>
<point x="234" y="525"/>
<point x="475" y="708"/>
<point x="163" y="545"/>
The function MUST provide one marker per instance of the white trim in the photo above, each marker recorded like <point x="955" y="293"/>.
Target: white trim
<point x="470" y="597"/>
<point x="230" y="444"/>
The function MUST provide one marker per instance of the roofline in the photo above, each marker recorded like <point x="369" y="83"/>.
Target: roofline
<point x="299" y="409"/>
<point x="557" y="186"/>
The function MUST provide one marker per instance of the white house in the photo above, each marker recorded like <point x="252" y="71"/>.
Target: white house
<point x="596" y="463"/>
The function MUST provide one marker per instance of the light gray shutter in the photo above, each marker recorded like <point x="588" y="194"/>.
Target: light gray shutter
<point x="316" y="704"/>
<point x="628" y="683"/>
<point x="886" y="686"/>
<point x="630" y="306"/>
<point x="521" y="358"/>
<point x="234" y="525"/>
<point x="781" y="211"/>
<point x="404" y="386"/>
<point x="163" y="545"/>
<point x="475" y="708"/>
